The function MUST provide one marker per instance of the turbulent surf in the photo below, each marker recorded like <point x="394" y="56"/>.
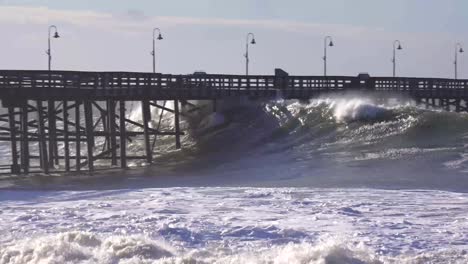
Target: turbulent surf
<point x="338" y="179"/>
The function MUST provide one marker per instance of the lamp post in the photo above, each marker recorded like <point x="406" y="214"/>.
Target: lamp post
<point x="458" y="49"/>
<point x="153" y="53"/>
<point x="395" y="48"/>
<point x="253" y="42"/>
<point x="328" y="42"/>
<point x="48" y="51"/>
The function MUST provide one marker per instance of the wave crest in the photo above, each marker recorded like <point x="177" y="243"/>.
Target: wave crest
<point x="358" y="110"/>
<point x="84" y="248"/>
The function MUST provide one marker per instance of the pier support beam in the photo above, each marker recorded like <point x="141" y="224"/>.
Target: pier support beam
<point x="426" y="103"/>
<point x="177" y="123"/>
<point x="146" y="113"/>
<point x="89" y="133"/>
<point x="53" y="148"/>
<point x="105" y="124"/>
<point x="66" y="142"/>
<point x="123" y="140"/>
<point x="78" y="136"/>
<point x="24" y="139"/>
<point x="112" y="131"/>
<point x="42" y="139"/>
<point x="15" y="168"/>
<point x="441" y="102"/>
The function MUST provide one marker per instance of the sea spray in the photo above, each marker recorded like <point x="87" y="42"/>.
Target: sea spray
<point x="358" y="110"/>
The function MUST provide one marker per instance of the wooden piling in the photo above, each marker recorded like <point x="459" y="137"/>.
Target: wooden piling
<point x="78" y="136"/>
<point x="105" y="125"/>
<point x="441" y="102"/>
<point x="161" y="115"/>
<point x="52" y="125"/>
<point x="15" y="168"/>
<point x="66" y="142"/>
<point x="42" y="139"/>
<point x="123" y="140"/>
<point x="457" y="105"/>
<point x="177" y="124"/>
<point x="113" y="134"/>
<point x="146" y="113"/>
<point x="89" y="133"/>
<point x="24" y="139"/>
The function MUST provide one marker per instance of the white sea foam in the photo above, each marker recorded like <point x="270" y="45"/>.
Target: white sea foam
<point x="234" y="225"/>
<point x="84" y="247"/>
<point x="352" y="107"/>
<point x="357" y="110"/>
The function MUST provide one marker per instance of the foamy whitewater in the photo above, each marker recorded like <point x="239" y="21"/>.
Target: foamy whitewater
<point x="345" y="179"/>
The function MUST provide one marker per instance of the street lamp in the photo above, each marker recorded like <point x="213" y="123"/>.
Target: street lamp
<point x="48" y="51"/>
<point x="328" y="42"/>
<point x="253" y="42"/>
<point x="458" y="49"/>
<point x="395" y="48"/>
<point x="153" y="53"/>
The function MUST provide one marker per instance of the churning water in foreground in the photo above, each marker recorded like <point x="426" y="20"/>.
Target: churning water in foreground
<point x="337" y="180"/>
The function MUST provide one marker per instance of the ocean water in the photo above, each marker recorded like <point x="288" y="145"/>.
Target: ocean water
<point x="341" y="179"/>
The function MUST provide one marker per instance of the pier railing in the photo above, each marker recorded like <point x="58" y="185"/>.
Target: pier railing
<point x="128" y="85"/>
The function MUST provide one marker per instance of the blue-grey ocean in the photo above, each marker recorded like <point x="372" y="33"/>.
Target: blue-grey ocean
<point x="338" y="179"/>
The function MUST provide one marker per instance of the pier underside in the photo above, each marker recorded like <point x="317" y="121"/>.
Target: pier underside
<point x="53" y="136"/>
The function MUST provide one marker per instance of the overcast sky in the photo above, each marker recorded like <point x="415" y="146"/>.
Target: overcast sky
<point x="209" y="35"/>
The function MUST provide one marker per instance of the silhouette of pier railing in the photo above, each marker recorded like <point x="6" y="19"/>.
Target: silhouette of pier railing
<point x="45" y="109"/>
<point x="72" y="85"/>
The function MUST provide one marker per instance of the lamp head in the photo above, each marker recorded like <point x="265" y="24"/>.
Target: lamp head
<point x="461" y="50"/>
<point x="56" y="35"/>
<point x="253" y="42"/>
<point x="399" y="47"/>
<point x="160" y="37"/>
<point x="331" y="43"/>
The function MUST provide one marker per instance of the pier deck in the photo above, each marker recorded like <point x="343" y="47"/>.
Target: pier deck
<point x="71" y="85"/>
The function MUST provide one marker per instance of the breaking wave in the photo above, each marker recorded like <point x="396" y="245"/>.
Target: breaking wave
<point x="336" y="131"/>
<point x="85" y="247"/>
<point x="347" y="127"/>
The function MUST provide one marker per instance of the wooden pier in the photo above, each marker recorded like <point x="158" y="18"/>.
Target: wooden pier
<point x="53" y="117"/>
